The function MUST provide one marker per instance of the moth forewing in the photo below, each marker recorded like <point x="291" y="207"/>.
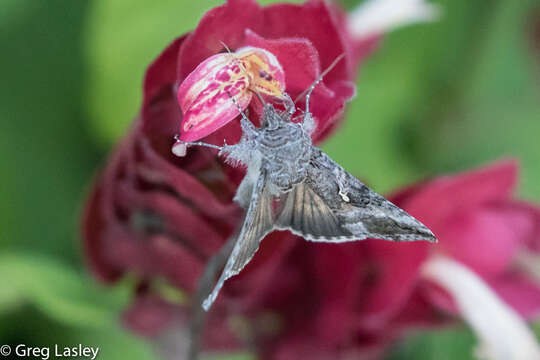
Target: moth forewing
<point x="258" y="222"/>
<point x="360" y="210"/>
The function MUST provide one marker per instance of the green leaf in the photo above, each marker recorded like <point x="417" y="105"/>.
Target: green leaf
<point x="30" y="327"/>
<point x="47" y="154"/>
<point x="117" y="343"/>
<point x="448" y="344"/>
<point x="227" y="356"/>
<point x="57" y="291"/>
<point x="496" y="111"/>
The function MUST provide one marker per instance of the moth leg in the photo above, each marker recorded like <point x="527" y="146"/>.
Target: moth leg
<point x="247" y="126"/>
<point x="198" y="143"/>
<point x="308" y="123"/>
<point x="223" y="150"/>
<point x="290" y="107"/>
<point x="310" y="90"/>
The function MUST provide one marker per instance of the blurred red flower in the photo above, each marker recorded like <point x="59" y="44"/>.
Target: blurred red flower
<point x="480" y="225"/>
<point x="156" y="216"/>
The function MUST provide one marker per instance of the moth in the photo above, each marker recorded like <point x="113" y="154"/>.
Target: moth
<point x="292" y="185"/>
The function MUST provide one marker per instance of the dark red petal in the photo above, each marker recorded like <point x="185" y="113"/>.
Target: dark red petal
<point x="519" y="291"/>
<point x="340" y="271"/>
<point x="533" y="210"/>
<point x="149" y="315"/>
<point x="186" y="186"/>
<point x="100" y="212"/>
<point x="328" y="110"/>
<point x="162" y="72"/>
<point x="222" y="25"/>
<point x="297" y="56"/>
<point x="315" y="22"/>
<point x="487" y="239"/>
<point x="439" y="198"/>
<point x="397" y="272"/>
<point x="259" y="273"/>
<point x="93" y="225"/>
<point x="418" y="312"/>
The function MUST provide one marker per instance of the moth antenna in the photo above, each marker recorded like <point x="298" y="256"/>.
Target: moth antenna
<point x="226" y="47"/>
<point x="309" y="90"/>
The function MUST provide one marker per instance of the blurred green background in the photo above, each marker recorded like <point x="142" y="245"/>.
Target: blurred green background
<point x="434" y="98"/>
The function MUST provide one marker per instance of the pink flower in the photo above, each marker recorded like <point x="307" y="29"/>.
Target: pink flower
<point x="477" y="222"/>
<point x="483" y="232"/>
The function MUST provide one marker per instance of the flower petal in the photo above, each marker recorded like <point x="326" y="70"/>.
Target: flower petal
<point x="521" y="291"/>
<point x="502" y="332"/>
<point x="224" y="24"/>
<point x="375" y="17"/>
<point x="454" y="192"/>
<point x="297" y="56"/>
<point x="397" y="272"/>
<point x="314" y="21"/>
<point x="493" y="228"/>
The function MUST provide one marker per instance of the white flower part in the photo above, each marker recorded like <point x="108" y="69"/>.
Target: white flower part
<point x="503" y="334"/>
<point x="179" y="149"/>
<point x="380" y="16"/>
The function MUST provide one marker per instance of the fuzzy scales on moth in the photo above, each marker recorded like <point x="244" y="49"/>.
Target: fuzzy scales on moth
<point x="292" y="185"/>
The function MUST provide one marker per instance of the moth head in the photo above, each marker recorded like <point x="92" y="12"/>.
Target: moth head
<point x="270" y="117"/>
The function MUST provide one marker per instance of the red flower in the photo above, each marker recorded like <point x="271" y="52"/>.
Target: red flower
<point x="157" y="216"/>
<point x="480" y="226"/>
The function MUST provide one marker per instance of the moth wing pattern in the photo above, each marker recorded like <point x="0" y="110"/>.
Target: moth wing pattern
<point x="258" y="222"/>
<point x="333" y="206"/>
<point x="305" y="213"/>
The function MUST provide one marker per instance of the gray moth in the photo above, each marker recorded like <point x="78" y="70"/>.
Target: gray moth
<point x="316" y="198"/>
